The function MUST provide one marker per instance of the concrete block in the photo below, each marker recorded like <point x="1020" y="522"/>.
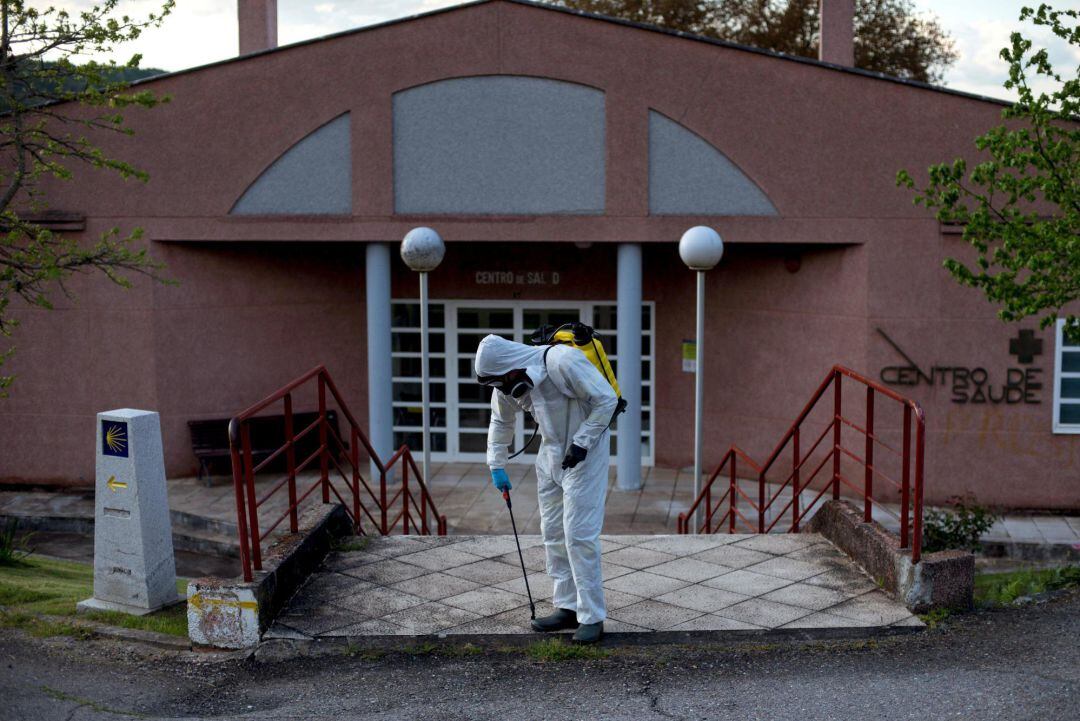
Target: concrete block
<point x="747" y="582"/>
<point x="702" y="598"/>
<point x="232" y="613"/>
<point x="767" y="614"/>
<point x="733" y="556"/>
<point x="643" y="583"/>
<point x="940" y="580"/>
<point x="689" y="569"/>
<point x="637" y="558"/>
<point x="790" y="568"/>
<point x="654" y="615"/>
<point x="134" y="567"/>
<point x="487" y="572"/>
<point x="437" y="586"/>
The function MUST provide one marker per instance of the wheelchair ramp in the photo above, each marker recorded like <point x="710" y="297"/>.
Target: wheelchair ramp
<point x="461" y="586"/>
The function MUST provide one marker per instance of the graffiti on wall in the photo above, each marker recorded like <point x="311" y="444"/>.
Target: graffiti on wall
<point x="975" y="384"/>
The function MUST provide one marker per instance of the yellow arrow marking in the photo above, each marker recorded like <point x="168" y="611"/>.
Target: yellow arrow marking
<point x="201" y="603"/>
<point x="115" y="485"/>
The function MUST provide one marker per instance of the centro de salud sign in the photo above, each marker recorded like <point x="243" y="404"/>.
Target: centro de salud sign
<point x="976" y="384"/>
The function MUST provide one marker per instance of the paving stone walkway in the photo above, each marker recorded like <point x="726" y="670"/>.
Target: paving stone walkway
<point x="463" y="493"/>
<point x="453" y="585"/>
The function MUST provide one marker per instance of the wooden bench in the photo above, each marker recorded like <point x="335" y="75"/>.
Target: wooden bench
<point x="210" y="440"/>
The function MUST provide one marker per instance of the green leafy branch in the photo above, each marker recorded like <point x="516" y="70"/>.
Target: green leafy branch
<point x="1020" y="208"/>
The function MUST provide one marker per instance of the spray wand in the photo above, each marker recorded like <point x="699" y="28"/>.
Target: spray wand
<point x="524" y="573"/>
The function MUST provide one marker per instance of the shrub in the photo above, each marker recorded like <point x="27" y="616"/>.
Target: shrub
<point x="1001" y="589"/>
<point x="959" y="528"/>
<point x="12" y="549"/>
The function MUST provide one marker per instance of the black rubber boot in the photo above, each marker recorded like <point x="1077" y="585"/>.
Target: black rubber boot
<point x="561" y="620"/>
<point x="589" y="632"/>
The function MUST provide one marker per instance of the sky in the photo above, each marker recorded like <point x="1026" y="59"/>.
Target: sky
<point x="203" y="31"/>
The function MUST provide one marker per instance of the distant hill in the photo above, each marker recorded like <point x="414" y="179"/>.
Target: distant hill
<point x="40" y="84"/>
<point x="115" y="75"/>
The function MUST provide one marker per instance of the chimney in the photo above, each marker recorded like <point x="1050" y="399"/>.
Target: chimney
<point x="837" y="38"/>
<point x="258" y="25"/>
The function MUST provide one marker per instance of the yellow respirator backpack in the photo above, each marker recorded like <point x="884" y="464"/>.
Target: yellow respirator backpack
<point x="585" y="339"/>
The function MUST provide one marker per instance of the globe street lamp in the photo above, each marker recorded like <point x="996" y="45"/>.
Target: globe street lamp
<point x="701" y="249"/>
<point x="423" y="250"/>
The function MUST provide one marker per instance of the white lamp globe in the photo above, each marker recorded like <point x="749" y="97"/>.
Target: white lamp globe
<point x="422" y="249"/>
<point x="701" y="248"/>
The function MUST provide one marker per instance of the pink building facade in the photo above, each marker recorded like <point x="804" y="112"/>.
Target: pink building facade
<point x="561" y="157"/>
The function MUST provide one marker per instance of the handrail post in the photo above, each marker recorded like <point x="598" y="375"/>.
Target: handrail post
<point x="734" y="491"/>
<point x="868" y="490"/>
<point x="423" y="509"/>
<point x="355" y="439"/>
<point x="241" y="511"/>
<point x="905" y="482"/>
<point x="405" y="495"/>
<point x="708" y="509"/>
<point x="920" y="440"/>
<point x="795" y="480"/>
<point x="836" y="435"/>
<point x="761" y="503"/>
<point x="290" y="459"/>
<point x="324" y="457"/>
<point x="384" y="529"/>
<point x="253" y="508"/>
<point x="680" y="525"/>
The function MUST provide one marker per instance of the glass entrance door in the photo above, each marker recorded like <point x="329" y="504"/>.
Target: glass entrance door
<point x="460" y="406"/>
<point x="513" y="322"/>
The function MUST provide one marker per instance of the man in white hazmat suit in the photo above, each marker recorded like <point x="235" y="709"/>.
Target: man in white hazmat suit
<point x="573" y="405"/>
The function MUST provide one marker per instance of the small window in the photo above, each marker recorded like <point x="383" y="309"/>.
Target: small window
<point x="1066" y="382"/>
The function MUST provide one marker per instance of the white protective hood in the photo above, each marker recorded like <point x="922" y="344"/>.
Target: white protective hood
<point x="497" y="356"/>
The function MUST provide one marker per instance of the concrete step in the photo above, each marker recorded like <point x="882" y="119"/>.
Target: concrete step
<point x="662" y="587"/>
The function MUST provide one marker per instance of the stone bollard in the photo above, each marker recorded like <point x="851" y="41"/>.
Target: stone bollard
<point x="134" y="567"/>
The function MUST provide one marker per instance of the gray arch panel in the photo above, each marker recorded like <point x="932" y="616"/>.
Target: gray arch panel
<point x="688" y="176"/>
<point x="499" y="145"/>
<point x="314" y="176"/>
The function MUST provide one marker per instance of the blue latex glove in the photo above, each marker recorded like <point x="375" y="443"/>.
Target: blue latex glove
<point x="500" y="480"/>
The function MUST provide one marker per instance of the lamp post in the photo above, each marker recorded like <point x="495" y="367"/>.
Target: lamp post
<point x="701" y="249"/>
<point x="422" y="250"/>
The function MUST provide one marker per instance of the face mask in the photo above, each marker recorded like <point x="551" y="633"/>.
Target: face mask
<point x="515" y="384"/>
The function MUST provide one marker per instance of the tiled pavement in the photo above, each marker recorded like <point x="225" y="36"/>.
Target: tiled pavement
<point x="462" y="491"/>
<point x="453" y="585"/>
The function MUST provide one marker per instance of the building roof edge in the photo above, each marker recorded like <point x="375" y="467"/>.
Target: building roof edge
<point x="602" y="18"/>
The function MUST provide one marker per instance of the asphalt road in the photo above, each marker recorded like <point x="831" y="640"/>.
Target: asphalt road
<point x="1011" y="664"/>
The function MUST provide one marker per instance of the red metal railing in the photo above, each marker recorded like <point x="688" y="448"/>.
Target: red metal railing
<point x="360" y="500"/>
<point x="805" y="467"/>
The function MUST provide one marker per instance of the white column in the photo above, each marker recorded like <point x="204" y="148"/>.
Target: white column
<point x="380" y="398"/>
<point x="628" y="349"/>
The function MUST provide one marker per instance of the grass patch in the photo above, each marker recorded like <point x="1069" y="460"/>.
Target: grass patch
<point x="421" y="649"/>
<point x="554" y="649"/>
<point x="51" y="587"/>
<point x="43" y="627"/>
<point x="1002" y="589"/>
<point x="353" y="650"/>
<point x="13" y="550"/>
<point x="346" y="544"/>
<point x="935" y="617"/>
<point x="171" y="620"/>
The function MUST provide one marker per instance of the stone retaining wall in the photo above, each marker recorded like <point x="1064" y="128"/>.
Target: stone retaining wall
<point x="945" y="579"/>
<point x="232" y="613"/>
